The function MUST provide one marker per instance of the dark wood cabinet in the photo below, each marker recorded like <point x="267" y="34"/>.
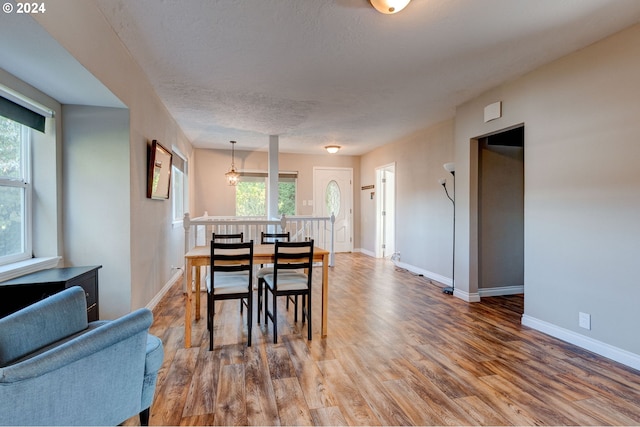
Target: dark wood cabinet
<point x="25" y="290"/>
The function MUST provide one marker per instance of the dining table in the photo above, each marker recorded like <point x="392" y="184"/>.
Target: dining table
<point x="199" y="256"/>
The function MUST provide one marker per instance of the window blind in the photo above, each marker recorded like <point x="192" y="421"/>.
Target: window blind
<point x="179" y="163"/>
<point x="282" y="176"/>
<point x="22" y="115"/>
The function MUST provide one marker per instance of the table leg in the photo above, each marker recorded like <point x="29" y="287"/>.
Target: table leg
<point x="197" y="291"/>
<point x="187" y="308"/>
<point x="325" y="293"/>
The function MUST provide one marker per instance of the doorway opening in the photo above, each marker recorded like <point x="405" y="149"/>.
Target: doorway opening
<point x="386" y="211"/>
<point x="501" y="213"/>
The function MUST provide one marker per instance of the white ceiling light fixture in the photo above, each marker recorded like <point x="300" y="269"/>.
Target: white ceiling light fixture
<point x="232" y="176"/>
<point x="389" y="7"/>
<point x="332" y="149"/>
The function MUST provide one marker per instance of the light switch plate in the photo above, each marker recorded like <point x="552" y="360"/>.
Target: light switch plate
<point x="584" y="320"/>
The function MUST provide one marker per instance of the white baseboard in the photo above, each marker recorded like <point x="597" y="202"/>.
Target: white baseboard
<point x="426" y="273"/>
<point x="603" y="349"/>
<point x="501" y="291"/>
<point x="366" y="252"/>
<point x="463" y="295"/>
<point x="154" y="302"/>
<point x="466" y="296"/>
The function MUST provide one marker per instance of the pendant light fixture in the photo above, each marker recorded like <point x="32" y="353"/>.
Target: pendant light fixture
<point x="232" y="176"/>
<point x="389" y="7"/>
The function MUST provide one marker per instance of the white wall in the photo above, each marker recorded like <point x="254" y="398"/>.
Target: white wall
<point x="582" y="190"/>
<point x="96" y="195"/>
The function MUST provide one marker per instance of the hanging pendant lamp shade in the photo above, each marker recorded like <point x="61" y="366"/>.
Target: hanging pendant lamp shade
<point x="232" y="176"/>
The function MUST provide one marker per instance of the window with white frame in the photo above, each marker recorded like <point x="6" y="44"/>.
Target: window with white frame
<point x="15" y="192"/>
<point x="251" y="194"/>
<point x="18" y="116"/>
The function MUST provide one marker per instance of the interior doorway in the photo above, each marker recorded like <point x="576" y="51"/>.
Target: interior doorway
<point x="501" y="213"/>
<point x="386" y="211"/>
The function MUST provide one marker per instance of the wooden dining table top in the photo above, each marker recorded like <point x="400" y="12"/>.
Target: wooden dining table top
<point x="259" y="251"/>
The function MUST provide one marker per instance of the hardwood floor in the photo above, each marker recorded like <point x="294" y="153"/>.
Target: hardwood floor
<point x="399" y="352"/>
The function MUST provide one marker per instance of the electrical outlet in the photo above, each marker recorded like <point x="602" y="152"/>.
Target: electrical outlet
<point x="584" y="320"/>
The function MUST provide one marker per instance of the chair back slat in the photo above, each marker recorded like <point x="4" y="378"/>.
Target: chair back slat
<point x="271" y="238"/>
<point x="232" y="256"/>
<point x="293" y="255"/>
<point x="228" y="238"/>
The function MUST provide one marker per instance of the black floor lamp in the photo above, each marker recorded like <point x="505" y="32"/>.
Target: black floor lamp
<point x="450" y="167"/>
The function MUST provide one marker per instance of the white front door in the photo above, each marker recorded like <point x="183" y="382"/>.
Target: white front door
<point x="385" y="211"/>
<point x="333" y="194"/>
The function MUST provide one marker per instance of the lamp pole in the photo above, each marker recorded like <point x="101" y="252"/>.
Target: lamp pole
<point x="450" y="167"/>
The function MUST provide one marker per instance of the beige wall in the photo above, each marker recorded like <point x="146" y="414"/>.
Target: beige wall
<point x="213" y="195"/>
<point x="155" y="245"/>
<point x="424" y="215"/>
<point x="501" y="218"/>
<point x="582" y="190"/>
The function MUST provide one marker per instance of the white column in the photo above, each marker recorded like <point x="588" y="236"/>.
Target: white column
<point x="272" y="188"/>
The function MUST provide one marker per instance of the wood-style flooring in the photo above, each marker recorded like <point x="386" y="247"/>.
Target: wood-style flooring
<point x="399" y="352"/>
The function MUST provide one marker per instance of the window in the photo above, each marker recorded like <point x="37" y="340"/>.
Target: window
<point x="179" y="189"/>
<point x="251" y="194"/>
<point x="15" y="192"/>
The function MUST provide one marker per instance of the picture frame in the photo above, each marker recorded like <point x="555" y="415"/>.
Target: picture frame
<point x="159" y="172"/>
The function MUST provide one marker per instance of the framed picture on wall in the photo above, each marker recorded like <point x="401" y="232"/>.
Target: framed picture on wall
<point x="159" y="172"/>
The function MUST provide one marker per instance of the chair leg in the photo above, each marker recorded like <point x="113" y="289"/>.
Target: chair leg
<point x="208" y="314"/>
<point x="259" y="299"/>
<point x="308" y="310"/>
<point x="213" y="315"/>
<point x="274" y="313"/>
<point x="144" y="417"/>
<point x="249" y="315"/>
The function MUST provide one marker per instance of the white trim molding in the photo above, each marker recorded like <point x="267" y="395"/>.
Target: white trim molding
<point x="466" y="296"/>
<point x="603" y="349"/>
<point x="172" y="281"/>
<point x="463" y="295"/>
<point x="16" y="269"/>
<point x="365" y="252"/>
<point x="501" y="291"/>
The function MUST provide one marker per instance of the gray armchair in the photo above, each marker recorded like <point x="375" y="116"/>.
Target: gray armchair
<point x="58" y="369"/>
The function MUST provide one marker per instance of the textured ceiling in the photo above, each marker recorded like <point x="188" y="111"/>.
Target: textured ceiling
<point x="318" y="72"/>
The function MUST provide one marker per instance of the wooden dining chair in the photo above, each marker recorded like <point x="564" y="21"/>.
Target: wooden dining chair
<point x="226" y="238"/>
<point x="230" y="278"/>
<point x="290" y="256"/>
<point x="268" y="239"/>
